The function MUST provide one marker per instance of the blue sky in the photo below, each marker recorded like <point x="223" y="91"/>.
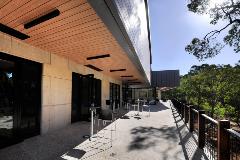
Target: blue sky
<point x="172" y="28"/>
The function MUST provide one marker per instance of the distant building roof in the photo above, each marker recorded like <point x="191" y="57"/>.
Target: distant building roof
<point x="165" y="79"/>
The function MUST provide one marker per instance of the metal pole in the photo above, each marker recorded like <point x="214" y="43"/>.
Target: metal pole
<point x="91" y="122"/>
<point x="138" y="105"/>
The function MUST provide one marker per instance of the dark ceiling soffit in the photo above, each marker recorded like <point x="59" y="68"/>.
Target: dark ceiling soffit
<point x="43" y="18"/>
<point x="107" y="11"/>
<point x="93" y="67"/>
<point x="127" y="76"/>
<point x="13" y="32"/>
<point x="117" y="70"/>
<point x="98" y="56"/>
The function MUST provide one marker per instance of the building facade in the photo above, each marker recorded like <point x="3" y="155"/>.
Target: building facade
<point x="58" y="57"/>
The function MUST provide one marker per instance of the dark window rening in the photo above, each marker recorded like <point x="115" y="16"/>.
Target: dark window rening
<point x="20" y="99"/>
<point x="114" y="95"/>
<point x="86" y="90"/>
<point x="126" y="93"/>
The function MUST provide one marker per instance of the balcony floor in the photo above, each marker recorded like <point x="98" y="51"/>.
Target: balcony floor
<point x="162" y="136"/>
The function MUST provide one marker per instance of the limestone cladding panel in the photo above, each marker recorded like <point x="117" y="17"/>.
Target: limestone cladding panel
<point x="18" y="48"/>
<point x="56" y="81"/>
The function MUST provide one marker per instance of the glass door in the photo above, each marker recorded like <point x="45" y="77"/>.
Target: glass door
<point x="85" y="91"/>
<point x="76" y="97"/>
<point x="6" y="102"/>
<point x="29" y="98"/>
<point x="20" y="99"/>
<point x="114" y="95"/>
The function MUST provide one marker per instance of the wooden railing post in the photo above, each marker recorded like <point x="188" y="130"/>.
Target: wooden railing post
<point x="182" y="110"/>
<point x="223" y="140"/>
<point x="201" y="129"/>
<point x="186" y="117"/>
<point x="190" y="122"/>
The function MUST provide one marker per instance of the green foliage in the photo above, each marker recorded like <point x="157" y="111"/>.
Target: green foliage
<point x="232" y="39"/>
<point x="215" y="88"/>
<point x="227" y="11"/>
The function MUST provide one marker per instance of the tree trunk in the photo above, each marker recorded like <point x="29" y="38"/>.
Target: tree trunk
<point x="212" y="110"/>
<point x="238" y="116"/>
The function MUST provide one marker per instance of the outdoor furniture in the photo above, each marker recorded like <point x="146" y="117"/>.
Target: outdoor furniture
<point x="128" y="107"/>
<point x="93" y="114"/>
<point x="148" y="108"/>
<point x="134" y="108"/>
<point x="107" y="116"/>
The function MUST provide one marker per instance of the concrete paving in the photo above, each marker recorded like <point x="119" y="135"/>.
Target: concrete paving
<point x="162" y="136"/>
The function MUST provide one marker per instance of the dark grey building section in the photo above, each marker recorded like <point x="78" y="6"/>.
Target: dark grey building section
<point x="167" y="78"/>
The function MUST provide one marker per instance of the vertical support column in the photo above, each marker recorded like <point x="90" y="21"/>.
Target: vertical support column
<point x="154" y="92"/>
<point x="186" y="117"/>
<point x="201" y="129"/>
<point x="223" y="140"/>
<point x="190" y="122"/>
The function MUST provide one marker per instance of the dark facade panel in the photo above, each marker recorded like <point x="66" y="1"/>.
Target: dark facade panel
<point x="134" y="16"/>
<point x="116" y="15"/>
<point x="167" y="78"/>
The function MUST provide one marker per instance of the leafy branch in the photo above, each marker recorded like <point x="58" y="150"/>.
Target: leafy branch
<point x="228" y="11"/>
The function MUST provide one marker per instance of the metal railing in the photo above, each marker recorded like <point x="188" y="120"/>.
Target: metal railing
<point x="218" y="141"/>
<point x="195" y="120"/>
<point x="234" y="144"/>
<point x="211" y="127"/>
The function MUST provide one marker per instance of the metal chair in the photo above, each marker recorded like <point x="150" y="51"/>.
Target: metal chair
<point x="107" y="116"/>
<point x="148" y="108"/>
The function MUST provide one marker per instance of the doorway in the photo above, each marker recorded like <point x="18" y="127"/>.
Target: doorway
<point x="114" y="96"/>
<point x="86" y="90"/>
<point x="20" y="99"/>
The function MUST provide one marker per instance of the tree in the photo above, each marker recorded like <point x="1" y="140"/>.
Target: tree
<point x="227" y="11"/>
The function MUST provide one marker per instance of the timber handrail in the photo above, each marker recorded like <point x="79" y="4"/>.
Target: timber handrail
<point x="210" y="119"/>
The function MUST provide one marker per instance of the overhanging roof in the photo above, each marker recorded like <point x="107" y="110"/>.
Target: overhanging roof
<point x="77" y="33"/>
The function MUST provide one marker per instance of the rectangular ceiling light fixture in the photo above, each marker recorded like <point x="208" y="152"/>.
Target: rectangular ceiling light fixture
<point x="131" y="80"/>
<point x="99" y="56"/>
<point x="117" y="70"/>
<point x="93" y="67"/>
<point x="13" y="32"/>
<point x="127" y="76"/>
<point x="134" y="82"/>
<point x="41" y="19"/>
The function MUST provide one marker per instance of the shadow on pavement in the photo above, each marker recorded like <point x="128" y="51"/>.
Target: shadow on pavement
<point x="145" y="137"/>
<point x="158" y="107"/>
<point x="76" y="153"/>
<point x="188" y="140"/>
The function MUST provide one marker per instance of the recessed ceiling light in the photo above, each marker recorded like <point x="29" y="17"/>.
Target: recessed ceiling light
<point x="13" y="32"/>
<point x="131" y="80"/>
<point x="98" y="56"/>
<point x="134" y="82"/>
<point x="93" y="67"/>
<point x="42" y="19"/>
<point x="127" y="76"/>
<point x="117" y="70"/>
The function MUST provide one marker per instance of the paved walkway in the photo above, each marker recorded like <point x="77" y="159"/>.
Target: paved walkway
<point x="162" y="136"/>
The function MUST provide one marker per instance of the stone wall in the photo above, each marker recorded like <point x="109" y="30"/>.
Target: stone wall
<point x="56" y="81"/>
